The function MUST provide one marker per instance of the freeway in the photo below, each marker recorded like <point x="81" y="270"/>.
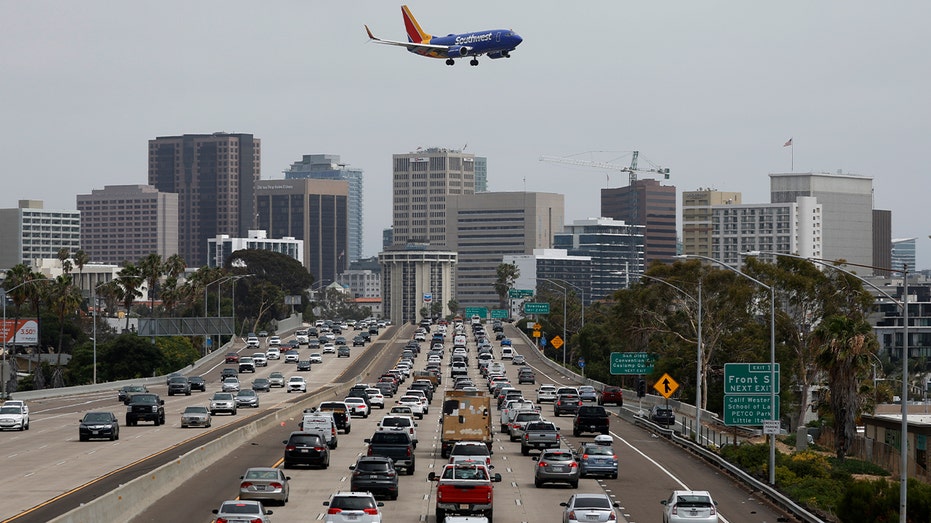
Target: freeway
<point x="50" y="471"/>
<point x="650" y="468"/>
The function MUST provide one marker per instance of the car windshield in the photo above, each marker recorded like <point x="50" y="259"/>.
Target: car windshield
<point x="144" y="398"/>
<point x="470" y="450"/>
<point x="261" y="474"/>
<point x="556" y="456"/>
<point x="600" y="450"/>
<point x="373" y="466"/>
<point x="195" y="410"/>
<point x="479" y="473"/>
<point x="94" y="417"/>
<point x="238" y="507"/>
<point x="276" y="375"/>
<point x="246" y="393"/>
<point x="352" y="502"/>
<point x="592" y="502"/>
<point x="11" y="410"/>
<point x="692" y="500"/>
<point x="222" y="396"/>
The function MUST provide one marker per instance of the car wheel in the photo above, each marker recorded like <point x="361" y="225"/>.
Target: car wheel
<point x="82" y="437"/>
<point x="289" y="391"/>
<point x="348" y="428"/>
<point x="188" y="393"/>
<point x="489" y="515"/>
<point x="440" y="515"/>
<point x="574" y="484"/>
<point x="614" y="476"/>
<point x="537" y="483"/>
<point x="112" y="437"/>
<point x="117" y="435"/>
<point x="556" y="413"/>
<point x="504" y="428"/>
<point x="576" y="433"/>
<point x="524" y="450"/>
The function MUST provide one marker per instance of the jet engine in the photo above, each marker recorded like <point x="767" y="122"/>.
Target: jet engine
<point x="459" y="51"/>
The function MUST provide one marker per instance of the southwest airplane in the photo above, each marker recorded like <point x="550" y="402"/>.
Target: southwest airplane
<point x="496" y="43"/>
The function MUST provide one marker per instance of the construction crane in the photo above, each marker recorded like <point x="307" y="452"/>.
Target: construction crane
<point x="631" y="169"/>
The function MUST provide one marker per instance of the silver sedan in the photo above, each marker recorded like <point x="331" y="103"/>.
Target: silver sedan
<point x="195" y="416"/>
<point x="265" y="483"/>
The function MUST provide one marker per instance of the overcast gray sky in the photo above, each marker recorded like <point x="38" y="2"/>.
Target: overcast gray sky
<point x="709" y="89"/>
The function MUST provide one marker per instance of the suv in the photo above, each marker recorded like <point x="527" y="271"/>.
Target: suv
<point x="246" y="364"/>
<point x="662" y="415"/>
<point x="145" y="407"/>
<point x="590" y="418"/>
<point x="566" y="403"/>
<point x="179" y="385"/>
<point x="611" y="394"/>
<point x="355" y="507"/>
<point x="375" y="474"/>
<point x="306" y="449"/>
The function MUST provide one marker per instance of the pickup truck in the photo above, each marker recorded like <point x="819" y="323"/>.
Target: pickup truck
<point x="539" y="435"/>
<point x="590" y="418"/>
<point x="395" y="445"/>
<point x="518" y="422"/>
<point x="464" y="488"/>
<point x="145" y="407"/>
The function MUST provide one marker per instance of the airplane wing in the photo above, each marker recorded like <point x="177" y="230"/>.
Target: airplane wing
<point x="419" y="48"/>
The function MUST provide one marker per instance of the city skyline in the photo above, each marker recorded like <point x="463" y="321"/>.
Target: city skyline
<point x="711" y="91"/>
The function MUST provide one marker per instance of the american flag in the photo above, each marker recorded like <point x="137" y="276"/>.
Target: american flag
<point x="788" y="143"/>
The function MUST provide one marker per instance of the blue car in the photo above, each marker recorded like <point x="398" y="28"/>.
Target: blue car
<point x="597" y="460"/>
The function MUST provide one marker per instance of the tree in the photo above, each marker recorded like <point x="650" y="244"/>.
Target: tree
<point x="453" y="306"/>
<point x="80" y="258"/>
<point x="64" y="299"/>
<point x="150" y="268"/>
<point x="506" y="275"/>
<point x="130" y="279"/>
<point x="127" y="357"/>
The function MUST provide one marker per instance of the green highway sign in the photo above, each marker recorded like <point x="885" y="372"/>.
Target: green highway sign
<point x="519" y="293"/>
<point x="499" y="313"/>
<point x="631" y="363"/>
<point x="481" y="312"/>
<point x="749" y="378"/>
<point x="536" y="308"/>
<point x="748" y="409"/>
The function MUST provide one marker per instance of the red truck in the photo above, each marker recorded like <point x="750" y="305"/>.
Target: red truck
<point x="464" y="488"/>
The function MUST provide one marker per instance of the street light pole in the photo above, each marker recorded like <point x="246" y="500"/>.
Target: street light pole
<point x="772" y="353"/>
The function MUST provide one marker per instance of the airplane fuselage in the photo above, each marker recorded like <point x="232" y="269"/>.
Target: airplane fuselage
<point x="496" y="43"/>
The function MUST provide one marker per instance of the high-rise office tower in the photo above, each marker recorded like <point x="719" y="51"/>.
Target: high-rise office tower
<point x="485" y="227"/>
<point x="648" y="203"/>
<point x="311" y="210"/>
<point x="213" y="175"/>
<point x="903" y="254"/>
<point x="31" y="232"/>
<point x="421" y="181"/>
<point x="696" y="218"/>
<point x="615" y="249"/>
<point x="481" y="174"/>
<point x="329" y="167"/>
<point x="127" y="223"/>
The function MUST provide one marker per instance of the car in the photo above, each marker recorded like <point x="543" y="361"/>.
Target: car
<point x="179" y="385"/>
<point x="172" y="375"/>
<point x="689" y="506"/>
<point x="293" y="344"/>
<point x="302" y="448"/>
<point x="222" y="402"/>
<point x="527" y="377"/>
<point x="314" y="421"/>
<point x="507" y="352"/>
<point x="546" y="393"/>
<point x="241" y="510"/>
<point x="470" y="451"/>
<point x="313" y="343"/>
<point x="246" y="364"/>
<point x="261" y="385"/>
<point x="386" y="388"/>
<point x="662" y="415"/>
<point x="566" y="403"/>
<point x="596" y="460"/>
<point x="556" y="466"/>
<point x="589" y="507"/>
<point x="353" y="507"/>
<point x="301" y="337"/>
<point x="128" y="390"/>
<point x="303" y="365"/>
<point x="252" y="341"/>
<point x="376" y="398"/>
<point x="145" y="407"/>
<point x="265" y="484"/>
<point x="291" y="356"/>
<point x="340" y="340"/>
<point x="232" y="357"/>
<point x="276" y="379"/>
<point x="98" y="425"/>
<point x="296" y="384"/>
<point x="263" y="334"/>
<point x="198" y="383"/>
<point x="229" y="372"/>
<point x="343" y="351"/>
<point x="375" y="474"/>
<point x="230" y="384"/>
<point x="316" y="357"/>
<point x="611" y="394"/>
<point x="518" y="359"/>
<point x="260" y="359"/>
<point x="274" y="340"/>
<point x="588" y="393"/>
<point x="273" y="353"/>
<point x="247" y="398"/>
<point x="358" y="341"/>
<point x="195" y="416"/>
<point x="398" y="423"/>
<point x="329" y="348"/>
<point x="414" y="403"/>
<point x="520" y="420"/>
<point x="357" y="406"/>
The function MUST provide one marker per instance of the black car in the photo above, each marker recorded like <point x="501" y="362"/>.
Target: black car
<point x="294" y="344"/>
<point x="128" y="390"/>
<point x="303" y="365"/>
<point x="566" y="404"/>
<point x="261" y="384"/>
<point x="662" y="415"/>
<point x="375" y="474"/>
<point x="306" y="449"/>
<point x="358" y="341"/>
<point x="99" y="425"/>
<point x="198" y="383"/>
<point x="228" y="372"/>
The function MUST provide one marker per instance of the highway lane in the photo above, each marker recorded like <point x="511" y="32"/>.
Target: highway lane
<point x="650" y="468"/>
<point x="48" y="461"/>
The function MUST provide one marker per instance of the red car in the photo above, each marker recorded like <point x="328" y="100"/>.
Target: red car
<point x="611" y="394"/>
<point x="232" y="357"/>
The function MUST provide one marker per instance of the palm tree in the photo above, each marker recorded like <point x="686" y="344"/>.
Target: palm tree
<point x="80" y="259"/>
<point x="846" y="346"/>
<point x="65" y="299"/>
<point x="506" y="275"/>
<point x="130" y="279"/>
<point x="174" y="266"/>
<point x="151" y="268"/>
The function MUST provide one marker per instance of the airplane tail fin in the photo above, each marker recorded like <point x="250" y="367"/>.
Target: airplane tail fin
<point x="415" y="33"/>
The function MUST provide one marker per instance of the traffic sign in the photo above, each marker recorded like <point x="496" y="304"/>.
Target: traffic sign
<point x="748" y="409"/>
<point x="499" y="314"/>
<point x="519" y="293"/>
<point x="581" y="363"/>
<point x="749" y="378"/>
<point x="771" y="427"/>
<point x="631" y="363"/>
<point x="536" y="334"/>
<point x="557" y="341"/>
<point x="536" y="308"/>
<point x="537" y="326"/>
<point x="666" y="386"/>
<point x="481" y="312"/>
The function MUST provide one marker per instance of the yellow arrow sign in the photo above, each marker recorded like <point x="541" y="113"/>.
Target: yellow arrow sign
<point x="556" y="341"/>
<point x="666" y="386"/>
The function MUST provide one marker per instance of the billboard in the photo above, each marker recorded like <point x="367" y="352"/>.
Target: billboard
<point x="26" y="331"/>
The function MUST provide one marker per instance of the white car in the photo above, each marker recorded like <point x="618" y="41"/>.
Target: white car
<point x="315" y="357"/>
<point x="414" y="402"/>
<point x="252" y="341"/>
<point x="396" y="423"/>
<point x="301" y="337"/>
<point x="297" y="384"/>
<point x="357" y="406"/>
<point x="376" y="398"/>
<point x="689" y="506"/>
<point x="273" y="353"/>
<point x="546" y="393"/>
<point x="230" y="384"/>
<point x="14" y="417"/>
<point x="259" y="359"/>
<point x="274" y="340"/>
<point x="291" y="356"/>
<point x="329" y="348"/>
<point x="353" y="507"/>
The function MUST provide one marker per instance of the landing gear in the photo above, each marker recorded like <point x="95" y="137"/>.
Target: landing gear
<point x="450" y="61"/>
<point x="473" y="62"/>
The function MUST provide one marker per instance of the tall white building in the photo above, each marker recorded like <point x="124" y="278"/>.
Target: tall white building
<point x="31" y="232"/>
<point x="221" y="247"/>
<point x="792" y="228"/>
<point x="414" y="279"/>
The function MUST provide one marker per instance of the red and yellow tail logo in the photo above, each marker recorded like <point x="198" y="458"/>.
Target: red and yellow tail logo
<point x="414" y="32"/>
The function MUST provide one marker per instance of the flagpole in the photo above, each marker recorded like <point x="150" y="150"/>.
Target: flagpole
<point x="792" y="148"/>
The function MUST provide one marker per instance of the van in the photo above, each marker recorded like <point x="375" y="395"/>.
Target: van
<point x="507" y="353"/>
<point x="321" y="423"/>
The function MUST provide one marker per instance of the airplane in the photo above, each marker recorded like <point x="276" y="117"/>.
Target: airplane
<point x="495" y="43"/>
